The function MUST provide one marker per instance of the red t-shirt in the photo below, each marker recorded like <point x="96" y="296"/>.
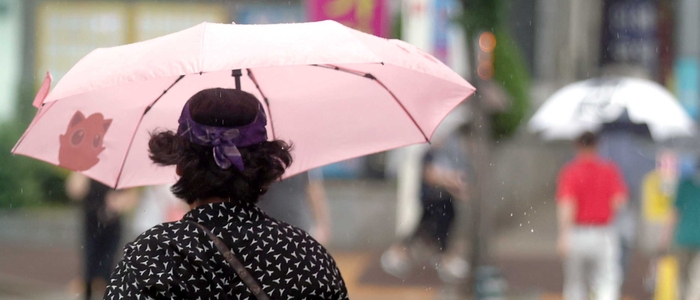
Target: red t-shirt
<point x="591" y="183"/>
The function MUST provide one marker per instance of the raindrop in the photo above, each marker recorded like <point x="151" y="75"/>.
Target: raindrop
<point x="532" y="230"/>
<point x="521" y="224"/>
<point x="511" y="214"/>
<point x="21" y="190"/>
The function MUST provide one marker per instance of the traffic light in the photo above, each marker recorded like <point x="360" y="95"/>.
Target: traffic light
<point x="487" y="42"/>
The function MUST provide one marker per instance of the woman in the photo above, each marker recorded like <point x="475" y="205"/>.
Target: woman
<point x="101" y="230"/>
<point x="681" y="236"/>
<point x="225" y="164"/>
<point x="444" y="180"/>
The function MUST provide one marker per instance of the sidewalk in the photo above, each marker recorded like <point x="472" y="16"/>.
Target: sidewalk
<point x="40" y="252"/>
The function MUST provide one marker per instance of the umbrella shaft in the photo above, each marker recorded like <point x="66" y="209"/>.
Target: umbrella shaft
<point x="237" y="75"/>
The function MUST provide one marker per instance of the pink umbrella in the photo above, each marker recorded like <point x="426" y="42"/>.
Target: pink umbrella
<point x="335" y="92"/>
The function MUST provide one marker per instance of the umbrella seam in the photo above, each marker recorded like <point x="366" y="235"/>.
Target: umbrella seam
<point x="376" y="80"/>
<point x="201" y="47"/>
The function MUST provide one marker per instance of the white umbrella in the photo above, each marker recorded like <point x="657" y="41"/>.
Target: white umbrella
<point x="586" y="105"/>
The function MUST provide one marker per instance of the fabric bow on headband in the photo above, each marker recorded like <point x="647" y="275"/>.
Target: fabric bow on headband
<point x="224" y="141"/>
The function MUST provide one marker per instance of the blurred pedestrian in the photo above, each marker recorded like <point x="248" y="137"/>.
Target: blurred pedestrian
<point x="102" y="210"/>
<point x="590" y="190"/>
<point x="630" y="146"/>
<point x="300" y="201"/>
<point x="225" y="247"/>
<point x="444" y="181"/>
<point x="683" y="232"/>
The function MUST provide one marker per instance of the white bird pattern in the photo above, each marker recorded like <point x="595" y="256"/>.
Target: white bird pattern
<point x="177" y="261"/>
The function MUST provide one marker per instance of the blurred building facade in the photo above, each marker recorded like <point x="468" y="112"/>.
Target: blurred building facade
<point x="561" y="40"/>
<point x="11" y="36"/>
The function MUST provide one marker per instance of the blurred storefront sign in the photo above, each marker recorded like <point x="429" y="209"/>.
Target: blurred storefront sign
<point x="10" y="55"/>
<point x="443" y="11"/>
<point x="630" y="34"/>
<point x="448" y="37"/>
<point x="67" y="31"/>
<point x="369" y="16"/>
<point x="428" y="24"/>
<point x="269" y="14"/>
<point x="417" y="23"/>
<point x="687" y="79"/>
<point x="666" y="44"/>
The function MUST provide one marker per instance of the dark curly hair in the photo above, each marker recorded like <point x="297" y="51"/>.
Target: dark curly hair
<point x="587" y="140"/>
<point x="201" y="178"/>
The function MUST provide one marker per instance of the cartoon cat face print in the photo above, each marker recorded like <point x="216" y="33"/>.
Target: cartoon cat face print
<point x="82" y="142"/>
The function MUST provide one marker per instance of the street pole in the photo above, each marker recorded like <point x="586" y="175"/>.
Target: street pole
<point x="479" y="153"/>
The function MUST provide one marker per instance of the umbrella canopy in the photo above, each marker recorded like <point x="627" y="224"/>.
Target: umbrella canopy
<point x="587" y="105"/>
<point x="334" y="92"/>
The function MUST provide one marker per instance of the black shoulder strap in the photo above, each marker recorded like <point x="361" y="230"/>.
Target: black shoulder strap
<point x="237" y="266"/>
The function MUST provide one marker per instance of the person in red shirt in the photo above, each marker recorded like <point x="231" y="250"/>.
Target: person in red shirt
<point x="590" y="190"/>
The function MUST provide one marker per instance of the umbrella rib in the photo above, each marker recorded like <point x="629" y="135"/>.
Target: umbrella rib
<point x="133" y="136"/>
<point x="32" y="124"/>
<point x="375" y="79"/>
<point x="163" y="94"/>
<point x="267" y="102"/>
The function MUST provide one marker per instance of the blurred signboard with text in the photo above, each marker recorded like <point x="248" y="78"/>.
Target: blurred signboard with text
<point x="370" y="16"/>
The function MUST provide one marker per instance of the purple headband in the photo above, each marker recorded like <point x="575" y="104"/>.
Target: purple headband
<point x="225" y="141"/>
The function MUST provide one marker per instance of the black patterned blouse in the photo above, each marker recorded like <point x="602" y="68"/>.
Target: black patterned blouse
<point x="178" y="261"/>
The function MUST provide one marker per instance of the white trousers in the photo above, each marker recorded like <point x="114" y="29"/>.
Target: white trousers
<point x="689" y="262"/>
<point x="593" y="264"/>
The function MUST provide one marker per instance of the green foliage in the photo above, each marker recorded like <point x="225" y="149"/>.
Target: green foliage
<point x="480" y="15"/>
<point x="397" y="26"/>
<point x="510" y="71"/>
<point x="25" y="181"/>
<point x="17" y="188"/>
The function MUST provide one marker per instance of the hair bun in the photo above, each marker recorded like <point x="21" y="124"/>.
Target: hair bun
<point x="166" y="148"/>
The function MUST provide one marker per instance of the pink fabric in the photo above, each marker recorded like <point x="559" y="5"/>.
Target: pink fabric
<point x="329" y="115"/>
<point x="43" y="91"/>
